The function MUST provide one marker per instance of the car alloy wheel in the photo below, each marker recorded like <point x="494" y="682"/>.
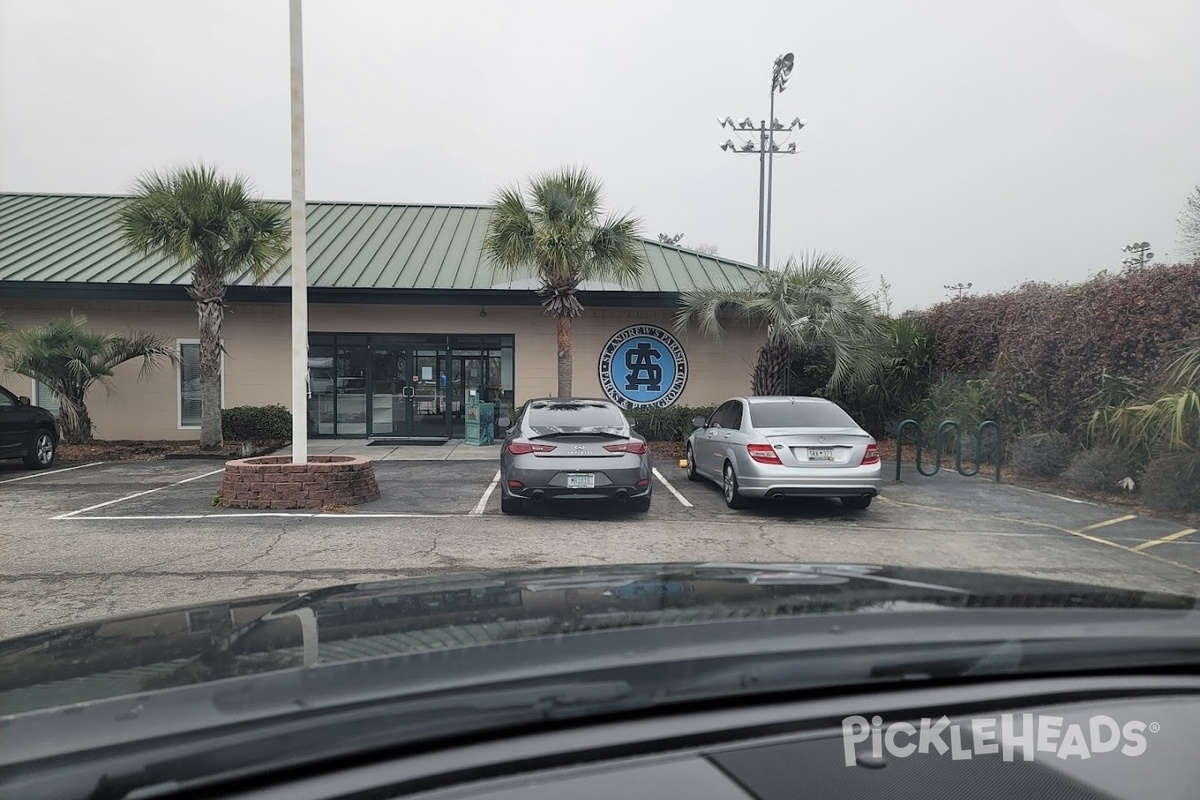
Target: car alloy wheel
<point x="729" y="483"/>
<point x="41" y="455"/>
<point x="691" y="465"/>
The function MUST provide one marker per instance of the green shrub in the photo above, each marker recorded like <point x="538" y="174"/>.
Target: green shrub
<point x="666" y="424"/>
<point x="1172" y="482"/>
<point x="1050" y="346"/>
<point x="1041" y="453"/>
<point x="256" y="423"/>
<point x="1101" y="468"/>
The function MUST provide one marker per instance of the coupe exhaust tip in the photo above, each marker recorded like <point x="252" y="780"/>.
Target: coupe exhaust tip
<point x="539" y="496"/>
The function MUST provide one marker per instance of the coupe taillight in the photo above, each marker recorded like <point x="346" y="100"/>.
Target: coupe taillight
<point x="635" y="446"/>
<point x="871" y="456"/>
<point x="763" y="453"/>
<point x="522" y="448"/>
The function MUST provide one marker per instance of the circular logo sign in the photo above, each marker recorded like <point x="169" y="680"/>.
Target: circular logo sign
<point x="643" y="365"/>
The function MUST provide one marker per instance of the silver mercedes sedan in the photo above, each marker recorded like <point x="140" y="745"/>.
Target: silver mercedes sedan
<point x="574" y="449"/>
<point x="776" y="447"/>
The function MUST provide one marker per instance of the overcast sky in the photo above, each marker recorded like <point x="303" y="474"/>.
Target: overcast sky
<point x="947" y="140"/>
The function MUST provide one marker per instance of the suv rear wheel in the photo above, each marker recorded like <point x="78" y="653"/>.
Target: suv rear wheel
<point x="42" y="450"/>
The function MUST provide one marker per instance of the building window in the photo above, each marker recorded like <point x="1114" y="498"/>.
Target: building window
<point x="189" y="382"/>
<point x="42" y="396"/>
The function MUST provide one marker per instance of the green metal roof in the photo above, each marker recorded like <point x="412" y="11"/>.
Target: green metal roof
<point x="74" y="239"/>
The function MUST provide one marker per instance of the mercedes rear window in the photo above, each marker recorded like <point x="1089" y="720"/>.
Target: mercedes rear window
<point x="799" y="415"/>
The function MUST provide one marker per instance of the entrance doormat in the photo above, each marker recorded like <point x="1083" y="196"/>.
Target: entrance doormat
<point x="407" y="442"/>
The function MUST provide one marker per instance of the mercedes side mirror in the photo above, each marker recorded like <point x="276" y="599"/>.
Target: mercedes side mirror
<point x="504" y="422"/>
<point x="699" y="422"/>
<point x="25" y="401"/>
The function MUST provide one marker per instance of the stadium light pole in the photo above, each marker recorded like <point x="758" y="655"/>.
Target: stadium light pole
<point x="766" y="149"/>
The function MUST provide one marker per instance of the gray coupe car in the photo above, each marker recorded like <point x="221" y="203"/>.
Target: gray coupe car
<point x="574" y="449"/>
<point x="776" y="447"/>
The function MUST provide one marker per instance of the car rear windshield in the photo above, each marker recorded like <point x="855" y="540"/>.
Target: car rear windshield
<point x="799" y="415"/>
<point x="569" y="415"/>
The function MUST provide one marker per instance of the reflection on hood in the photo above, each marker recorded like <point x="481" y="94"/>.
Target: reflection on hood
<point x="179" y="646"/>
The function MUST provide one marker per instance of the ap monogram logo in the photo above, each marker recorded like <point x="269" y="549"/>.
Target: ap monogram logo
<point x="643" y="365"/>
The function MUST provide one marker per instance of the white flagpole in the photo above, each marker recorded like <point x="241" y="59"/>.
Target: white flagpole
<point x="299" y="254"/>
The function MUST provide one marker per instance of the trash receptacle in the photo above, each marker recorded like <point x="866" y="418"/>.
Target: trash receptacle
<point x="480" y="421"/>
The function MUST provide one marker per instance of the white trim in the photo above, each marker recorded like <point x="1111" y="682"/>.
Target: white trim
<point x="179" y="388"/>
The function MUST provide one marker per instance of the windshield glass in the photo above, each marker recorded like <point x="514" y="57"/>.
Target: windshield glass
<point x="799" y="415"/>
<point x="574" y="415"/>
<point x="334" y="333"/>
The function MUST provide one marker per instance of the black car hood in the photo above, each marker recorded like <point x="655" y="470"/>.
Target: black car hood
<point x="191" y="644"/>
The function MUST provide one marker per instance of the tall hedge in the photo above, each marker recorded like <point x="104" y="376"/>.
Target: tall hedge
<point x="1044" y="347"/>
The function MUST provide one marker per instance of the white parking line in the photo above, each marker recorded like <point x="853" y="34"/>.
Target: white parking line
<point x="52" y="472"/>
<point x="478" y="509"/>
<point x="683" y="501"/>
<point x="72" y="514"/>
<point x="306" y="514"/>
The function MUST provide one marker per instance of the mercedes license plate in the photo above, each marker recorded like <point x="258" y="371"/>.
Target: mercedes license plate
<point x="585" y="481"/>
<point x="820" y="454"/>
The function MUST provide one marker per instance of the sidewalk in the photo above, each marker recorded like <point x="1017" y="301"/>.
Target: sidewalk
<point x="453" y="450"/>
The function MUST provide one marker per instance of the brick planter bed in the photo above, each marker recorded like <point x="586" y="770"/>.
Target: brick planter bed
<point x="275" y="482"/>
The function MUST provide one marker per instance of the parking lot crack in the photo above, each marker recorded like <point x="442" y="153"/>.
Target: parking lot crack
<point x="268" y="551"/>
<point x="430" y="551"/>
<point x="174" y="559"/>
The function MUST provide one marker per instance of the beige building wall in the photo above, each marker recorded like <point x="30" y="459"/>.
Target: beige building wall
<point x="257" y="341"/>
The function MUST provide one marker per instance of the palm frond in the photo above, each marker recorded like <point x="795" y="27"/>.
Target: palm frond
<point x="553" y="230"/>
<point x="197" y="216"/>
<point x="702" y="308"/>
<point x="615" y="251"/>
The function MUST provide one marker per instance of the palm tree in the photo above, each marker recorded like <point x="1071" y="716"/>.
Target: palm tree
<point x="556" y="232"/>
<point x="813" y="302"/>
<point x="212" y="225"/>
<point x="1168" y="421"/>
<point x="67" y="359"/>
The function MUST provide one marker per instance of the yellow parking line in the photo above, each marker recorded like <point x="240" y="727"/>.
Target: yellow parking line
<point x="1173" y="537"/>
<point x="1049" y="526"/>
<point x="1106" y="523"/>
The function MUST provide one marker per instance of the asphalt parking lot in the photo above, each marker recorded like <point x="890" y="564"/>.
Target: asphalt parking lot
<point x="89" y="540"/>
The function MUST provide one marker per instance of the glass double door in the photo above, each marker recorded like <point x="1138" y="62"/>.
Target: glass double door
<point x="407" y="392"/>
<point x="404" y="386"/>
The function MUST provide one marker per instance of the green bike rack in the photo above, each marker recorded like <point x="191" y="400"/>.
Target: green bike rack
<point x="937" y="461"/>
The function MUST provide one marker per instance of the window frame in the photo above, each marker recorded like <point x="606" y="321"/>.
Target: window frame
<point x="35" y="396"/>
<point x="178" y="372"/>
<point x="736" y="413"/>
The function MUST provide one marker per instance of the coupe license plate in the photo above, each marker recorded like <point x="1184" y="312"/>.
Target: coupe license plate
<point x="820" y="454"/>
<point x="581" y="481"/>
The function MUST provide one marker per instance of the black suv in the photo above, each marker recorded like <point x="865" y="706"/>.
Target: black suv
<point x="26" y="431"/>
